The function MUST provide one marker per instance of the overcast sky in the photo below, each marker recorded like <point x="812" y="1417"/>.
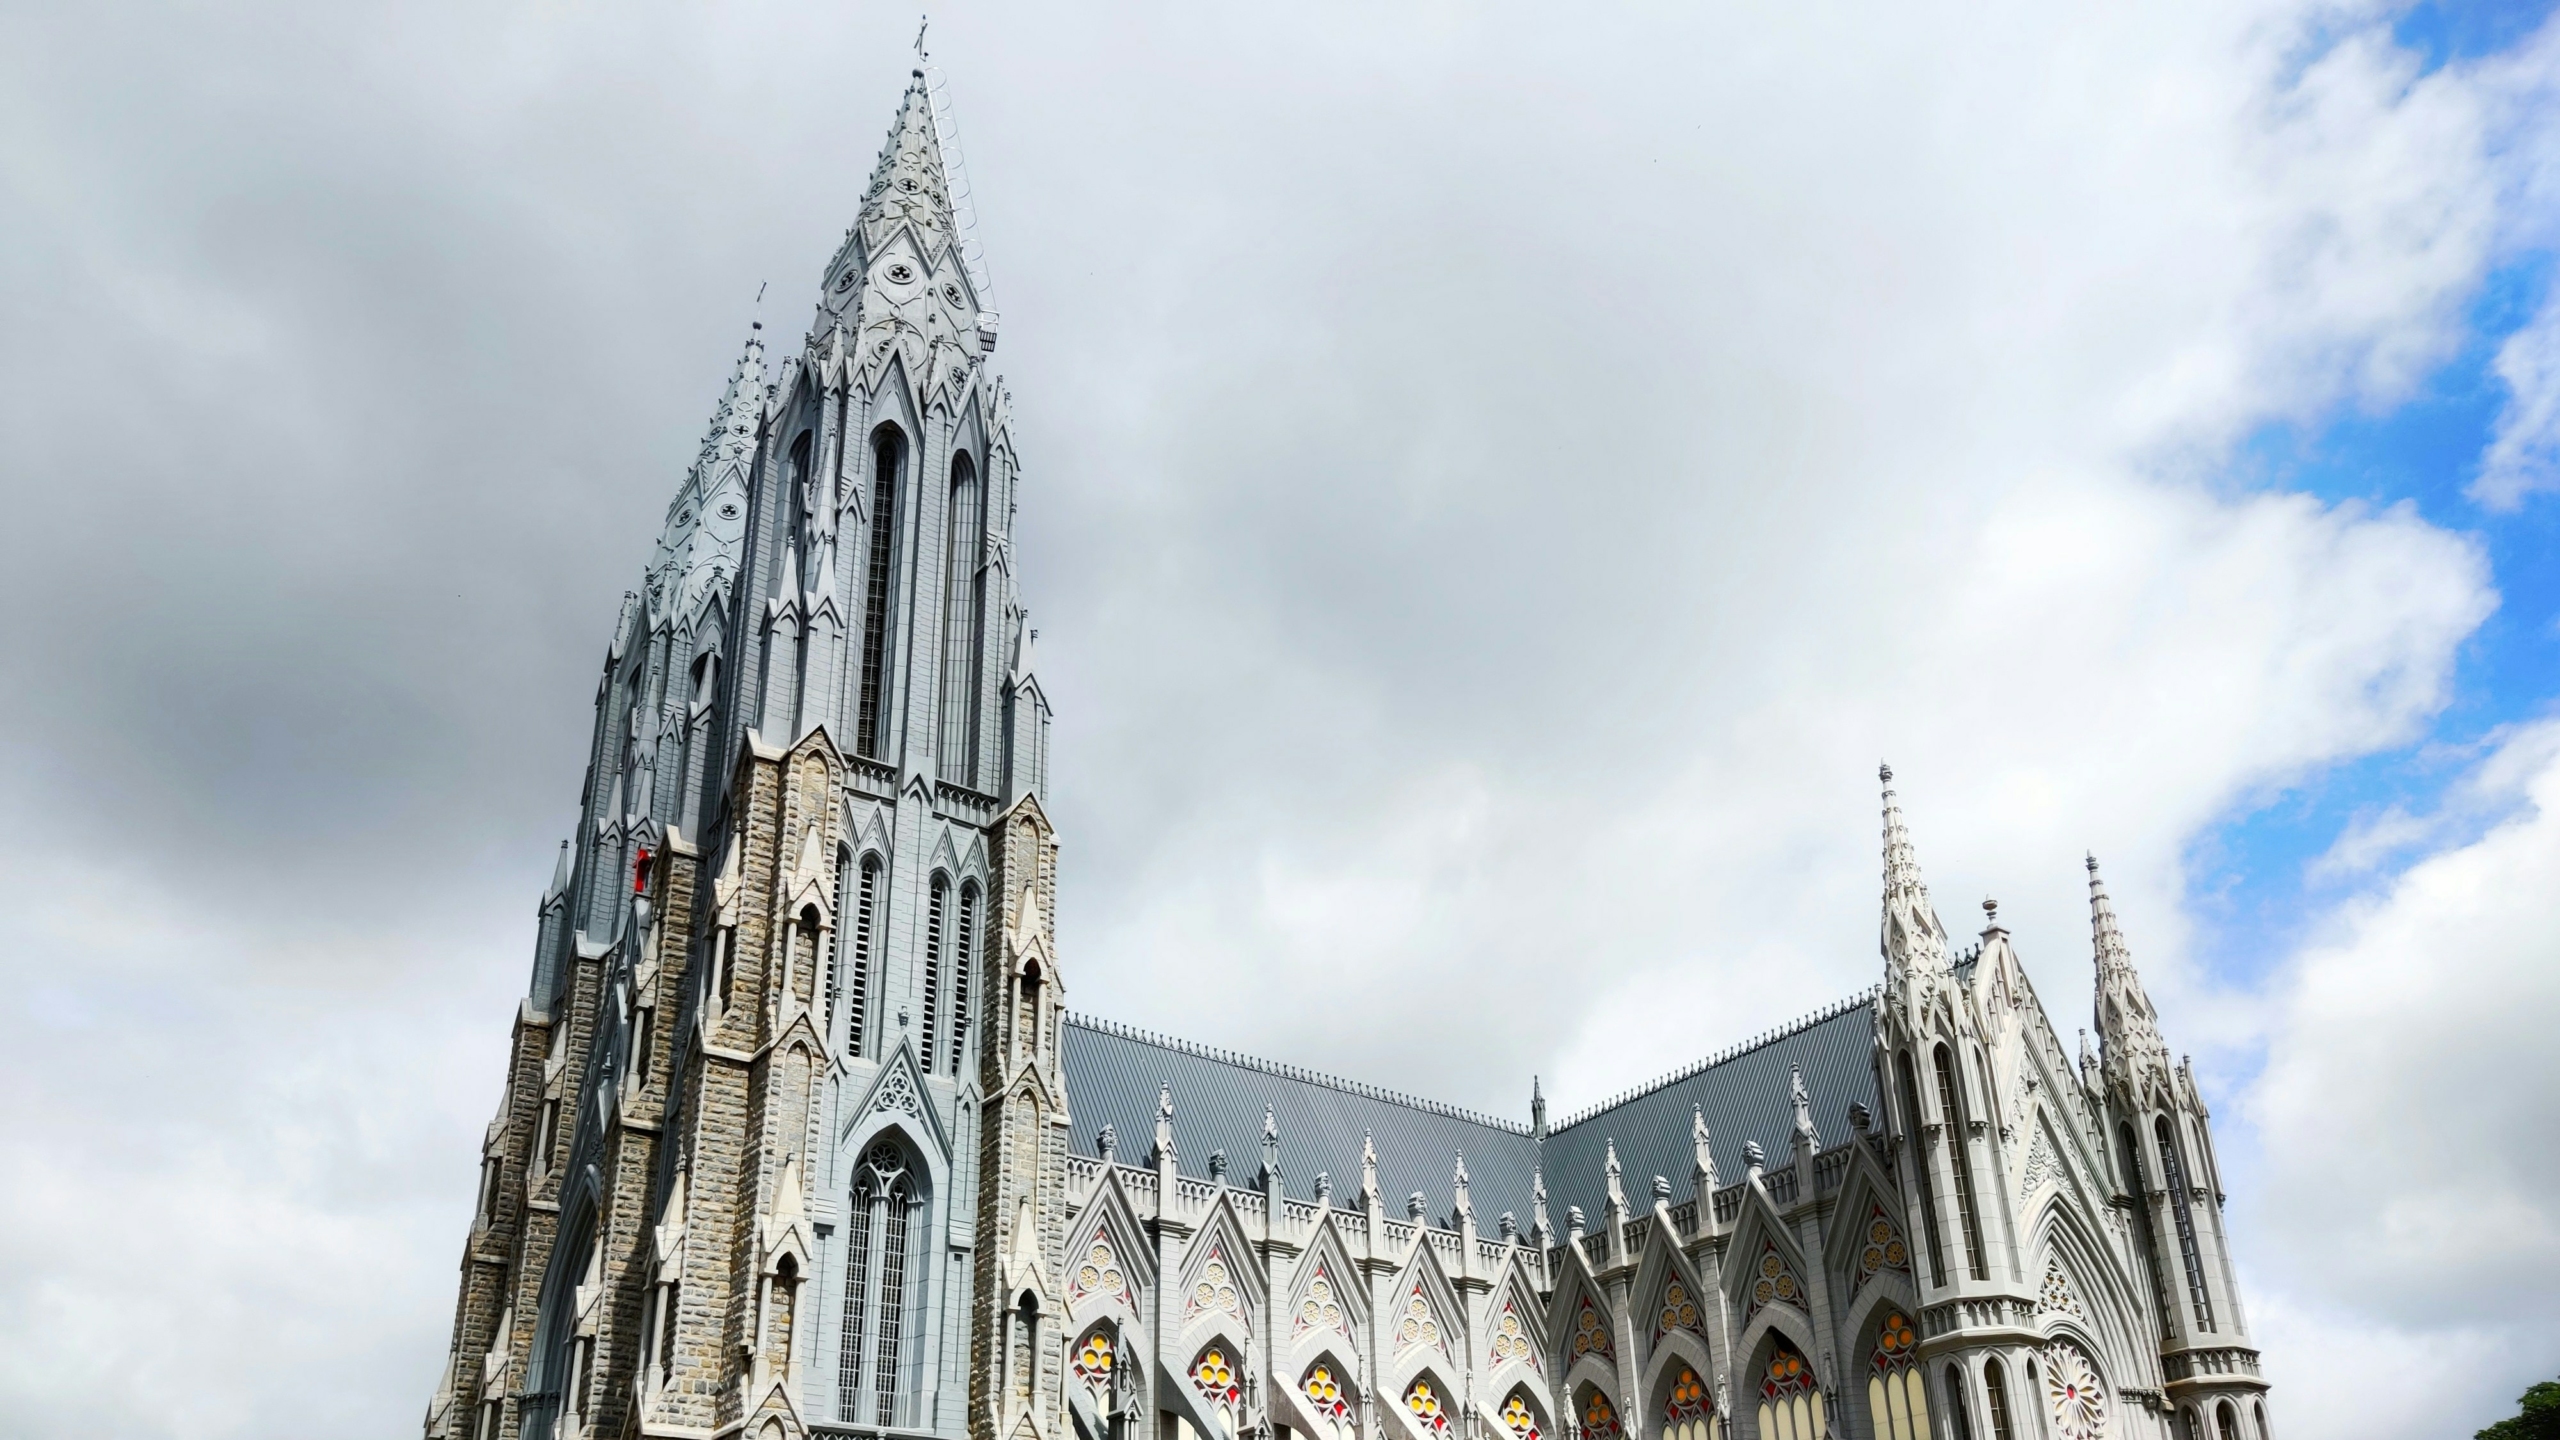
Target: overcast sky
<point x="1498" y="478"/>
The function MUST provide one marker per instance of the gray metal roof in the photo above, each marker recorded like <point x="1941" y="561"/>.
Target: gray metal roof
<point x="1113" y="1073"/>
<point x="1744" y="1094"/>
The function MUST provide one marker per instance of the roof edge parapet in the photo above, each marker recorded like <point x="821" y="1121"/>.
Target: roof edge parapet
<point x="1295" y="1072"/>
<point x="1832" y="1011"/>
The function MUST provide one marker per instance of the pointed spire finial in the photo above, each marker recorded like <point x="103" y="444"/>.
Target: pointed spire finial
<point x="1538" y="1226"/>
<point x="1368" y="1169"/>
<point x="2128" y="1028"/>
<point x="1164" y="1125"/>
<point x="1911" y="937"/>
<point x="1702" y="1155"/>
<point x="1466" y="1206"/>
<point x="1615" y="1176"/>
<point x="1803" y="1102"/>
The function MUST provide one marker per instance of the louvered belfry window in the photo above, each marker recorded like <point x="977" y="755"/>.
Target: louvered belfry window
<point x="886" y="454"/>
<point x="934" y="902"/>
<point x="964" y="960"/>
<point x="964" y="584"/>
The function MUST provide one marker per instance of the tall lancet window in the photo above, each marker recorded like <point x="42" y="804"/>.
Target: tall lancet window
<point x="2177" y="1177"/>
<point x="1920" y="1167"/>
<point x="964" y="961"/>
<point x="936" y="901"/>
<point x="857" y="928"/>
<point x="964" y="580"/>
<point x="1951" y="1110"/>
<point x="876" y="1270"/>
<point x="2135" y="1180"/>
<point x="887" y="453"/>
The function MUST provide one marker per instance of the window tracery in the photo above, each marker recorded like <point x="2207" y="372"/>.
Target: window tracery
<point x="1422" y="1401"/>
<point x="1687" y="1411"/>
<point x="1790" y="1402"/>
<point x="1510" y="1338"/>
<point x="875" y="1285"/>
<point x="2074" y="1393"/>
<point x="1325" y="1395"/>
<point x="1679" y="1311"/>
<point x="1591" y="1334"/>
<point x="1774" y="1280"/>
<point x="1897" y="1399"/>
<point x="1213" y="1374"/>
<point x="1883" y="1248"/>
<point x="1095" y="1356"/>
<point x="1321" y="1309"/>
<point x="1599" y="1417"/>
<point x="1214" y="1290"/>
<point x="1518" y="1418"/>
<point x="1099" y="1272"/>
<point x="1419" y="1326"/>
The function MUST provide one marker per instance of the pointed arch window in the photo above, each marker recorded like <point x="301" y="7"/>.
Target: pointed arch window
<point x="2226" y="1422"/>
<point x="1790" y="1401"/>
<point x="964" y="606"/>
<point x="1897" y="1401"/>
<point x="1920" y="1166"/>
<point x="1424" y="1401"/>
<point x="857" y="928"/>
<point x="1688" y="1412"/>
<point x="1951" y="1110"/>
<point x="937" y="898"/>
<point x="888" y="453"/>
<point x="1995" y="1388"/>
<point x="1325" y="1394"/>
<point x="1519" y="1416"/>
<point x="2185" y="1214"/>
<point x="1599" y="1417"/>
<point x="1958" y="1419"/>
<point x="964" y="963"/>
<point x="876" y="1268"/>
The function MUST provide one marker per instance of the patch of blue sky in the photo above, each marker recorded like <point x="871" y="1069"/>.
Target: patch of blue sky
<point x="2254" y="885"/>
<point x="2446" y="30"/>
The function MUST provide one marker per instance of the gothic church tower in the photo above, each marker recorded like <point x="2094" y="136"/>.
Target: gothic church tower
<point x="734" y="1187"/>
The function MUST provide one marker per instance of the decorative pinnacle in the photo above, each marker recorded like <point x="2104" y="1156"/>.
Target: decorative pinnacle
<point x="1911" y="935"/>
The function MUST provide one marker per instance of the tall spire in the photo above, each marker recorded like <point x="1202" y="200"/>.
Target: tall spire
<point x="707" y="520"/>
<point x="2128" y="1028"/>
<point x="1911" y="937"/>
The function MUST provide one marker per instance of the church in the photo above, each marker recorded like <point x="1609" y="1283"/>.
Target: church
<point x="798" y="1138"/>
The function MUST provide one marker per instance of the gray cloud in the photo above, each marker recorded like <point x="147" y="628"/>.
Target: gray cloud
<point x="1496" y="481"/>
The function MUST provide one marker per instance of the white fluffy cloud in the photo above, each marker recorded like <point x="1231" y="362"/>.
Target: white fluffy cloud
<point x="1498" y="482"/>
<point x="2410" y="1085"/>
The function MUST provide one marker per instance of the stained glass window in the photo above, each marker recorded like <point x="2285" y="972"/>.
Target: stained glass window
<point x="1423" y="1401"/>
<point x="1897" y="1401"/>
<point x="1679" y="1311"/>
<point x="1418" y="1327"/>
<point x="1099" y="1272"/>
<point x="1883" y="1248"/>
<point x="1590" y="1333"/>
<point x="1510" y="1340"/>
<point x="1776" y="1280"/>
<point x="1687" y="1411"/>
<point x="1790" y="1402"/>
<point x="1321" y="1309"/>
<point x="1519" y="1419"/>
<point x="1094" y="1358"/>
<point x="1324" y="1394"/>
<point x="1599" y="1417"/>
<point x="1214" y="1376"/>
